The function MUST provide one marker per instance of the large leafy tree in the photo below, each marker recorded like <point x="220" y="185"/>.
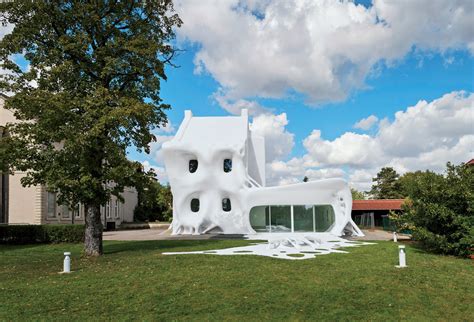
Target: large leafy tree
<point x="386" y="184"/>
<point x="91" y="90"/>
<point x="440" y="210"/>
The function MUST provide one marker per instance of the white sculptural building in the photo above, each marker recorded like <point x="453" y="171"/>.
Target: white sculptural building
<point x="216" y="169"/>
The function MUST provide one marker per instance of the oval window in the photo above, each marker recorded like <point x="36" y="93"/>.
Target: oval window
<point x="194" y="205"/>
<point x="227" y="165"/>
<point x="193" y="165"/>
<point x="226" y="206"/>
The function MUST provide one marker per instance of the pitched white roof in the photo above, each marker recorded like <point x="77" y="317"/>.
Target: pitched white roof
<point x="219" y="132"/>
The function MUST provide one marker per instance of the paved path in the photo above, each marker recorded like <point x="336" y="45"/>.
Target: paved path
<point x="163" y="234"/>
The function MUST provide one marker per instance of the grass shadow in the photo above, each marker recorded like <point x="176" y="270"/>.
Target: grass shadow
<point x="113" y="247"/>
<point x="13" y="247"/>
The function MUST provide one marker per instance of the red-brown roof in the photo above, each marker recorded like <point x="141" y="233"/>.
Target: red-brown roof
<point x="470" y="162"/>
<point x="377" y="204"/>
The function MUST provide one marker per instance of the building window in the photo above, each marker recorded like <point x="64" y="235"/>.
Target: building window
<point x="77" y="211"/>
<point x="107" y="209"/>
<point x="194" y="205"/>
<point x="226" y="206"/>
<point x="116" y="209"/>
<point x="227" y="165"/>
<point x="65" y="213"/>
<point x="51" y="204"/>
<point x="193" y="165"/>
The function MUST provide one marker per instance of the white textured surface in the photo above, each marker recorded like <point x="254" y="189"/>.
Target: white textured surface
<point x="286" y="246"/>
<point x="211" y="140"/>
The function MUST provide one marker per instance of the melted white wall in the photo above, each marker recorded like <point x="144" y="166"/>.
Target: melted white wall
<point x="210" y="140"/>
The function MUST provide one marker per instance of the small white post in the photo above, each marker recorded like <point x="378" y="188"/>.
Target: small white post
<point x="401" y="257"/>
<point x="395" y="237"/>
<point x="67" y="263"/>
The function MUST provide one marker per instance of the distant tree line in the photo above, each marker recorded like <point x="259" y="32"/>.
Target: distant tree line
<point x="155" y="202"/>
<point x="438" y="208"/>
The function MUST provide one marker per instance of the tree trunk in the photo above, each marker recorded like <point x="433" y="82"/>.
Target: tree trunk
<point x="93" y="235"/>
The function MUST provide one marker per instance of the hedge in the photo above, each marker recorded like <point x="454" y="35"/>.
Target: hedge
<point x="33" y="234"/>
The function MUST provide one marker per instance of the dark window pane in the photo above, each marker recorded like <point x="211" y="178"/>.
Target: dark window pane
<point x="193" y="165"/>
<point x="280" y="218"/>
<point x="194" y="205"/>
<point x="260" y="218"/>
<point x="226" y="206"/>
<point x="324" y="217"/>
<point x="227" y="165"/>
<point x="303" y="218"/>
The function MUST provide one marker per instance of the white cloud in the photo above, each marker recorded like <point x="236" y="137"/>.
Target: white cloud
<point x="322" y="49"/>
<point x="278" y="141"/>
<point x="367" y="123"/>
<point x="5" y="30"/>
<point x="168" y="128"/>
<point x="424" y="136"/>
<point x="428" y="125"/>
<point x="235" y="106"/>
<point x="159" y="171"/>
<point x="358" y="150"/>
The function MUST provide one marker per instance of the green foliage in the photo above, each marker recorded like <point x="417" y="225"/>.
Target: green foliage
<point x="386" y="185"/>
<point x="91" y="90"/>
<point x="32" y="234"/>
<point x="440" y="210"/>
<point x="155" y="202"/>
<point x="357" y="195"/>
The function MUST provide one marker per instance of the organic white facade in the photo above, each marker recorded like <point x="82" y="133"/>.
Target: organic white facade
<point x="216" y="169"/>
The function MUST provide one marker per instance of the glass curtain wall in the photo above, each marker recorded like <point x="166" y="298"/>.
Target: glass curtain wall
<point x="280" y="218"/>
<point x="297" y="218"/>
<point x="303" y="218"/>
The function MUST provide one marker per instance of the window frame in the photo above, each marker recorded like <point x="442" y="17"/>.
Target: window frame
<point x="52" y="200"/>
<point x="227" y="165"/>
<point x="224" y="203"/>
<point x="190" y="167"/>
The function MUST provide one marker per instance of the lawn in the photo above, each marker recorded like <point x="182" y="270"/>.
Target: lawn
<point x="134" y="281"/>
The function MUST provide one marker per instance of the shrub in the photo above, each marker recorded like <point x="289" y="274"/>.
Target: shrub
<point x="440" y="210"/>
<point x="32" y="234"/>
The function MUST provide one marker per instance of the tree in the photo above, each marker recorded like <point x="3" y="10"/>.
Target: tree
<point x="387" y="185"/>
<point x="357" y="195"/>
<point x="92" y="89"/>
<point x="155" y="202"/>
<point x="410" y="182"/>
<point x="440" y="210"/>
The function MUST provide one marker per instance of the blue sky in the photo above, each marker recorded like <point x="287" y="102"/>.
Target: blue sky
<point x="310" y="71"/>
<point x="412" y="79"/>
<point x="337" y="88"/>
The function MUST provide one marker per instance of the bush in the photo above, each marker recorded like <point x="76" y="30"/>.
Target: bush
<point x="440" y="210"/>
<point x="32" y="234"/>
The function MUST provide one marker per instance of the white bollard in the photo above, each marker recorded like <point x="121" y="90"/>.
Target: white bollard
<point x="395" y="236"/>
<point x="402" y="257"/>
<point x="67" y="263"/>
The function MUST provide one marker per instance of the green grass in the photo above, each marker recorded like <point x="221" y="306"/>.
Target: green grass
<point x="134" y="281"/>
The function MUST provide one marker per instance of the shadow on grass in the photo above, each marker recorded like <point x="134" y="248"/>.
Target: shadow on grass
<point x="13" y="247"/>
<point x="159" y="245"/>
